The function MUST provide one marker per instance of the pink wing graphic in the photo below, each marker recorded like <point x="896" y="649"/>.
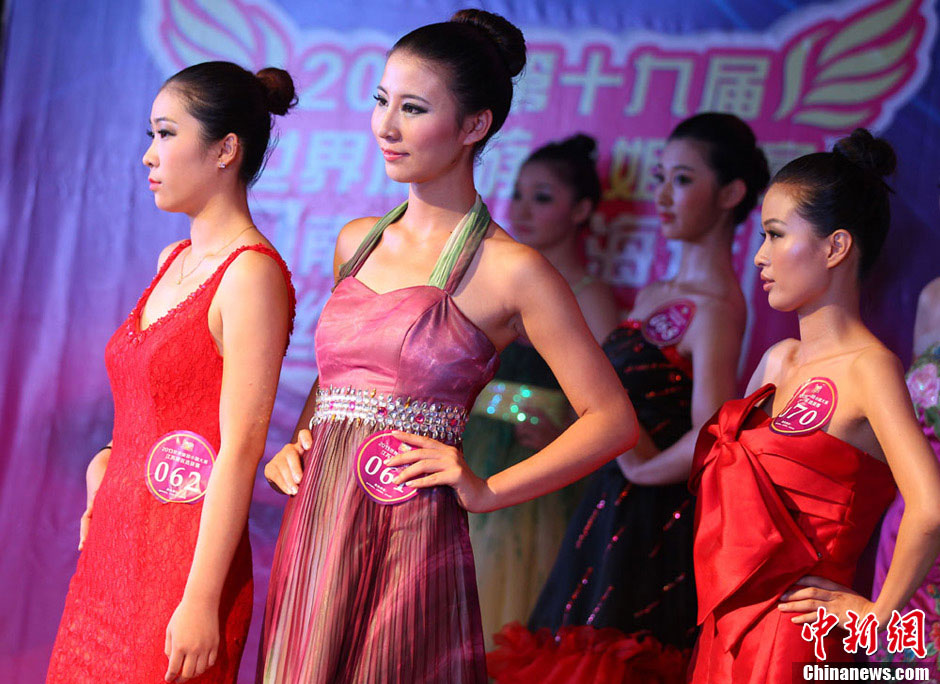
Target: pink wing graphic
<point x="839" y="74"/>
<point x="184" y="32"/>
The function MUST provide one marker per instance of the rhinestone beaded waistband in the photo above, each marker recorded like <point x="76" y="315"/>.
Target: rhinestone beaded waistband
<point x="436" y="420"/>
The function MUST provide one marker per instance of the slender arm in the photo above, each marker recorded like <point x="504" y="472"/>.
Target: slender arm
<point x="716" y="344"/>
<point x="606" y="423"/>
<point x="887" y="406"/>
<point x="252" y="300"/>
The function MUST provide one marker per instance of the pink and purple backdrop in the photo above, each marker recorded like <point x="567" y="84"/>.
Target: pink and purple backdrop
<point x="79" y="233"/>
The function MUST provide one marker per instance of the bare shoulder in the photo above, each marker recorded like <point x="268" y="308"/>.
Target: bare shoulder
<point x="253" y="272"/>
<point x="511" y="261"/>
<point x="651" y="295"/>
<point x="351" y="235"/>
<point x="772" y="364"/>
<point x="599" y="307"/>
<point x="598" y="293"/>
<point x="930" y="295"/>
<point x="783" y="350"/>
<point x="928" y="305"/>
<point x="166" y="252"/>
<point x="927" y="319"/>
<point x="875" y="365"/>
<point x="778" y="357"/>
<point x="721" y="311"/>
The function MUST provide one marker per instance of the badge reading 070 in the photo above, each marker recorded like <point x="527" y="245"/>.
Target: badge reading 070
<point x="810" y="408"/>
<point x="179" y="466"/>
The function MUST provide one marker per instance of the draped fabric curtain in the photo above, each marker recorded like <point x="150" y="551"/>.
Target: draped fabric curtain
<point x="79" y="234"/>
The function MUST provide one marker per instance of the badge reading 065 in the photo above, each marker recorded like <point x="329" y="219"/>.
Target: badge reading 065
<point x="179" y="466"/>
<point x="666" y="326"/>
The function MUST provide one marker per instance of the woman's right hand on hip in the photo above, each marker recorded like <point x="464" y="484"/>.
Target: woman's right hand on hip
<point x="285" y="470"/>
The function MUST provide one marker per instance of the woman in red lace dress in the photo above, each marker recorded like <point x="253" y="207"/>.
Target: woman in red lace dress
<point x="163" y="586"/>
<point x="792" y="480"/>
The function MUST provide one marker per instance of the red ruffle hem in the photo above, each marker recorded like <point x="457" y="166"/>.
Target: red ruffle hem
<point x="585" y="655"/>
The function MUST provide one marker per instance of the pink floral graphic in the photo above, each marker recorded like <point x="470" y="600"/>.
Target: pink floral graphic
<point x="935" y="635"/>
<point x="924" y="385"/>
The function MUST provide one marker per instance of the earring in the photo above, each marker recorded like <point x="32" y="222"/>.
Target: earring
<point x="221" y="165"/>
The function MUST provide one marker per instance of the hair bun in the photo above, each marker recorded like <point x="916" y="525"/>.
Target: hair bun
<point x="581" y="144"/>
<point x="509" y="41"/>
<point x="279" y="93"/>
<point x="865" y="150"/>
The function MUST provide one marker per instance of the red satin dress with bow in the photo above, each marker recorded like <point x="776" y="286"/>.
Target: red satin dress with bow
<point x="771" y="509"/>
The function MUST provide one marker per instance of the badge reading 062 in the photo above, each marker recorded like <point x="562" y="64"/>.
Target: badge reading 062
<point x="179" y="466"/>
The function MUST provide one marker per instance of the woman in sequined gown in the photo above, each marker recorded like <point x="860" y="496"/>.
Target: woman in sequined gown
<point x="365" y="592"/>
<point x="163" y="587"/>
<point x="805" y="461"/>
<point x="625" y="565"/>
<point x="924" y="385"/>
<point x="522" y="409"/>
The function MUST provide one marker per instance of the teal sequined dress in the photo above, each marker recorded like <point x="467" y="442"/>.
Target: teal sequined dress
<point x="514" y="548"/>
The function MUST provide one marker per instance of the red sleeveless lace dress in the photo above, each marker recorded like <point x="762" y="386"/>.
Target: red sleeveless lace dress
<point x="137" y="555"/>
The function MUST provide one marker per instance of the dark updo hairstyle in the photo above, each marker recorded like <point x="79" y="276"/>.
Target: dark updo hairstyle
<point x="481" y="52"/>
<point x="845" y="189"/>
<point x="732" y="153"/>
<point x="574" y="162"/>
<point x="225" y="99"/>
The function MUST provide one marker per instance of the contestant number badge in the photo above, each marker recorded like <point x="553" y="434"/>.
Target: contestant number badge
<point x="376" y="478"/>
<point x="810" y="408"/>
<point x="666" y="326"/>
<point x="179" y="466"/>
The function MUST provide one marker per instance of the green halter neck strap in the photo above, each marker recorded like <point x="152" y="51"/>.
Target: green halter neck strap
<point x="456" y="256"/>
<point x="351" y="267"/>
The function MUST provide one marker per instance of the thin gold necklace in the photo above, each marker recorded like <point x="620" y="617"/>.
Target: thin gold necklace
<point x="183" y="276"/>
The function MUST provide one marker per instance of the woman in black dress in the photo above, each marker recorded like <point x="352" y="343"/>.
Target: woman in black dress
<point x="626" y="560"/>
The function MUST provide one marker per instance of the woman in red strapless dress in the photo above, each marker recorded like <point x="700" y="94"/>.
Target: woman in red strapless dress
<point x="163" y="589"/>
<point x="792" y="480"/>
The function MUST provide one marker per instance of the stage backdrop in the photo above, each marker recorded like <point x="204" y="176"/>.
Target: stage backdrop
<point x="79" y="235"/>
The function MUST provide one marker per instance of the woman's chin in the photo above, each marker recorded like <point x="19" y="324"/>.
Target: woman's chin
<point x="171" y="207"/>
<point x="160" y="203"/>
<point x="673" y="231"/>
<point x="779" y="303"/>
<point x="397" y="174"/>
<point x="525" y="237"/>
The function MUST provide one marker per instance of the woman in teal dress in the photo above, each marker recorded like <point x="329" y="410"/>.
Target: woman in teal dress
<point x="523" y="408"/>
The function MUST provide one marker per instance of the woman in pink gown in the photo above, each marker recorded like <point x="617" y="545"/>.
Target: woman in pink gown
<point x="425" y="298"/>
